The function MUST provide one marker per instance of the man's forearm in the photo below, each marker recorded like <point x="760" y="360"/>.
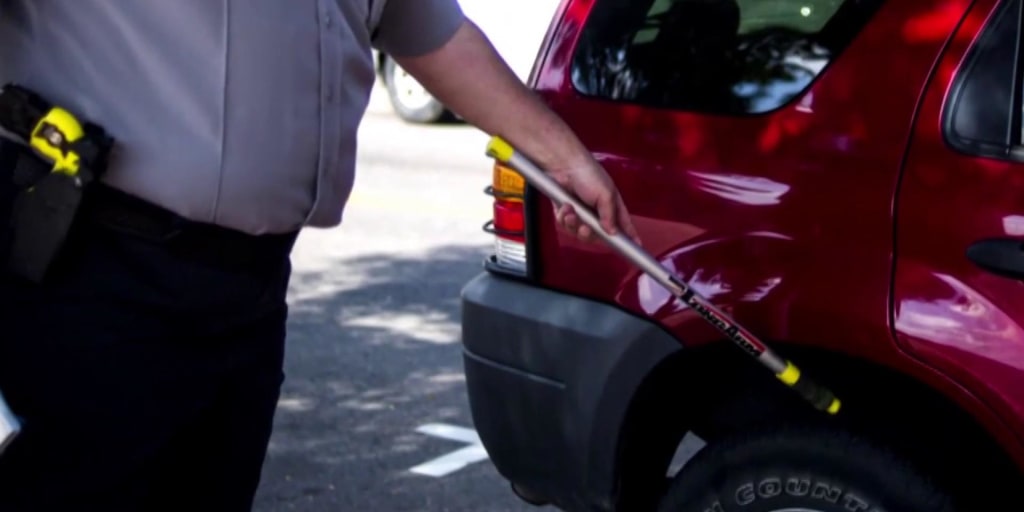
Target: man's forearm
<point x="469" y="77"/>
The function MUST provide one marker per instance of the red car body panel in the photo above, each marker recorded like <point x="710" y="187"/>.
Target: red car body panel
<point x="787" y="219"/>
<point x="964" y="321"/>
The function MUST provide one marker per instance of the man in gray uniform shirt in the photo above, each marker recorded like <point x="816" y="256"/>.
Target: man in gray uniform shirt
<point x="147" y="369"/>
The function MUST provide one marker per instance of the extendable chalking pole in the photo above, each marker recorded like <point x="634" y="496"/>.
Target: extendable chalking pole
<point x="820" y="397"/>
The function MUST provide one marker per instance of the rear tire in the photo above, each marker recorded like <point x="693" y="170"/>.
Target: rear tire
<point x="800" y="470"/>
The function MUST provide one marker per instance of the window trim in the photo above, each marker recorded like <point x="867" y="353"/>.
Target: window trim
<point x="1012" y="150"/>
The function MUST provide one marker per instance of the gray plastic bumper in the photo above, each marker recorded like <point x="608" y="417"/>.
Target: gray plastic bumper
<point x="550" y="377"/>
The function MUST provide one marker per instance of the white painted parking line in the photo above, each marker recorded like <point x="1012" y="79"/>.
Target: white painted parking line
<point x="454" y="461"/>
<point x="450" y="432"/>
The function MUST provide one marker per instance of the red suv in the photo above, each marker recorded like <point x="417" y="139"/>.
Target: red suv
<point x="846" y="179"/>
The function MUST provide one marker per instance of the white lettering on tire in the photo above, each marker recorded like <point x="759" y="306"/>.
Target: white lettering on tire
<point x="829" y="493"/>
<point x="854" y="503"/>
<point x="715" y="507"/>
<point x="745" y="495"/>
<point x="769" y="488"/>
<point x="798" y="487"/>
<point x="766" y="488"/>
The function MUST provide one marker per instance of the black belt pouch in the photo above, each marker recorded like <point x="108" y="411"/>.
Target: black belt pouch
<point x="37" y="208"/>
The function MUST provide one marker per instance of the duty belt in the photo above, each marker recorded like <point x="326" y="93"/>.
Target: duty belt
<point x="58" y="158"/>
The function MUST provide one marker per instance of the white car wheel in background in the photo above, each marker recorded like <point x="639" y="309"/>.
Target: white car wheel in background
<point x="409" y="99"/>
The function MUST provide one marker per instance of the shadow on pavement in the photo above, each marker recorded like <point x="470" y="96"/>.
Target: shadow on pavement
<point x="374" y="353"/>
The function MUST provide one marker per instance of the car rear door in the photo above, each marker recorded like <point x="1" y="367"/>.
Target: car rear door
<point x="958" y="299"/>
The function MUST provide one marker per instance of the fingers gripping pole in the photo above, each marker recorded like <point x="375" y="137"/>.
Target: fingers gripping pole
<point x="786" y="372"/>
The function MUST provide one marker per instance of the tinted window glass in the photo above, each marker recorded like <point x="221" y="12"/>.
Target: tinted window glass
<point x="983" y="101"/>
<point x="722" y="56"/>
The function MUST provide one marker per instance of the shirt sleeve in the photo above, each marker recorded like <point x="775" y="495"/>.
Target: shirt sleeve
<point x="415" y="27"/>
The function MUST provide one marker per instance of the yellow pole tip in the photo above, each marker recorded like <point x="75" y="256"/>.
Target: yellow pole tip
<point x="834" y="407"/>
<point x="790" y="375"/>
<point x="499" y="149"/>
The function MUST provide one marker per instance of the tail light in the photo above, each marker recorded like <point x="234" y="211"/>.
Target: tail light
<point x="509" y="223"/>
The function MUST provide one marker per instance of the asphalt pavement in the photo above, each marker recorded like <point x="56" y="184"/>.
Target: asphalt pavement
<point x="374" y="415"/>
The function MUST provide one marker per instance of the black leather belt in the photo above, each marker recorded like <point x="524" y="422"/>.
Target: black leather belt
<point x="115" y="210"/>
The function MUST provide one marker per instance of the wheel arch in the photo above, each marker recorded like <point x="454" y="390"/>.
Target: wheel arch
<point x="713" y="390"/>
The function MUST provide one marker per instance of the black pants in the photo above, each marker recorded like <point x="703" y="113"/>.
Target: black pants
<point x="147" y="377"/>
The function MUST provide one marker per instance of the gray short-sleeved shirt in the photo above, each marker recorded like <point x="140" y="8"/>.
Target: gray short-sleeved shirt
<point x="241" y="113"/>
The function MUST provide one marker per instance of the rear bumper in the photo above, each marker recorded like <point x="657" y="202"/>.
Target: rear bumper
<point x="550" y="377"/>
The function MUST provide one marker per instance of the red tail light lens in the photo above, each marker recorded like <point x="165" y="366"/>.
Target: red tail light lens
<point x="508" y="220"/>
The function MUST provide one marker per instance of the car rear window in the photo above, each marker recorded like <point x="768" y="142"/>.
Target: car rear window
<point x="983" y="106"/>
<point x="719" y="56"/>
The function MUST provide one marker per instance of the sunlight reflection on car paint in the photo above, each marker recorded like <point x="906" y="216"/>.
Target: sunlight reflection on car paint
<point x="751" y="190"/>
<point x="964" y="318"/>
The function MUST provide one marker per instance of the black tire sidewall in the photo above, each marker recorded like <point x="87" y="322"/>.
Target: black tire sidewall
<point x="814" y="470"/>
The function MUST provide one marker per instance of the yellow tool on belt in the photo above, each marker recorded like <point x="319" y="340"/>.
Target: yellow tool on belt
<point x="53" y="136"/>
<point x="819" y="397"/>
<point x="50" y="171"/>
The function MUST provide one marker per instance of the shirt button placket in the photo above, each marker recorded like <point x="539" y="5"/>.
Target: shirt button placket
<point x="331" y="62"/>
<point x="326" y="134"/>
<point x="328" y="93"/>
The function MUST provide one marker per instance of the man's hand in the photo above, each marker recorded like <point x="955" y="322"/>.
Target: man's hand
<point x="588" y="181"/>
<point x="469" y="77"/>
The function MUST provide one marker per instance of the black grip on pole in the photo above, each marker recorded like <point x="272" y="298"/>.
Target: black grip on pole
<point x="819" y="396"/>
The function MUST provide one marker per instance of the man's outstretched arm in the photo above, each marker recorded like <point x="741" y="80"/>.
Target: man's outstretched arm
<point x="468" y="76"/>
